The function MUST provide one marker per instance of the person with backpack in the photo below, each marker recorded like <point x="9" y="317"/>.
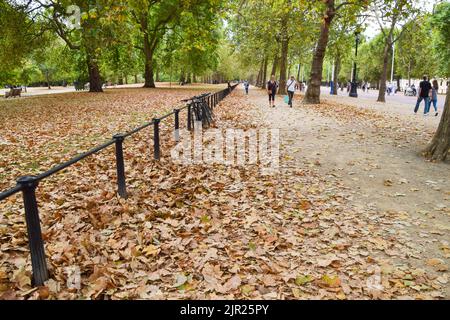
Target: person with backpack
<point x="290" y="88"/>
<point x="272" y="87"/>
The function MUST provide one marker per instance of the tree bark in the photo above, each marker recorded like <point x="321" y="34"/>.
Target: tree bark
<point x="337" y="69"/>
<point x="284" y="54"/>
<point x="264" y="74"/>
<point x="183" y="76"/>
<point x="260" y="74"/>
<point x="47" y="77"/>
<point x="157" y="75"/>
<point x="135" y="78"/>
<point x="312" y="95"/>
<point x="383" y="76"/>
<point x="439" y="146"/>
<point x="95" y="80"/>
<point x="274" y="66"/>
<point x="149" y="49"/>
<point x="409" y="73"/>
<point x="148" y="75"/>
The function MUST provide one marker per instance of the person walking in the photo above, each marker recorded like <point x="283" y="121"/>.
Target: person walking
<point x="272" y="87"/>
<point x="424" y="94"/>
<point x="433" y="97"/>
<point x="246" y="86"/>
<point x="290" y="88"/>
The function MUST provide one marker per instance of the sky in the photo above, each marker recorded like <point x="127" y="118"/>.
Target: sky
<point x="373" y="28"/>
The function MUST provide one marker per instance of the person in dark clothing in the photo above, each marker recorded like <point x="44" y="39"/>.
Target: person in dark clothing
<point x="424" y="94"/>
<point x="272" y="87"/>
<point x="246" y="86"/>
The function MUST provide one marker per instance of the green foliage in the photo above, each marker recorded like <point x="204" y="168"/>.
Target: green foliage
<point x="440" y="22"/>
<point x="228" y="39"/>
<point x="18" y="39"/>
<point x="415" y="55"/>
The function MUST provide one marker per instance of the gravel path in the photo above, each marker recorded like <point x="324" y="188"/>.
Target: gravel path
<point x="373" y="150"/>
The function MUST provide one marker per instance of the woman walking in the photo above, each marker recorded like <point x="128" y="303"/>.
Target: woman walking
<point x="272" y="87"/>
<point x="434" y="92"/>
<point x="290" y="87"/>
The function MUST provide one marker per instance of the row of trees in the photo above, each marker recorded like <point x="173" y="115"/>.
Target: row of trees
<point x="101" y="39"/>
<point x="307" y="35"/>
<point x="220" y="39"/>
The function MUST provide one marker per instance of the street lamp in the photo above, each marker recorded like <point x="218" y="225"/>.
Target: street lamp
<point x="354" y="89"/>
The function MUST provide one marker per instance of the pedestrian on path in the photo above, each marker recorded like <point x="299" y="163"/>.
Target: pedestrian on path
<point x="246" y="86"/>
<point x="290" y="87"/>
<point x="272" y="87"/>
<point x="433" y="97"/>
<point x="424" y="94"/>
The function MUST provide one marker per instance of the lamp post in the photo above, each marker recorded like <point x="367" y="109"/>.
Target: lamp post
<point x="354" y="89"/>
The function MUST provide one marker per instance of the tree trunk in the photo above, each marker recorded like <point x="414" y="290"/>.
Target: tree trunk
<point x="157" y="75"/>
<point x="260" y="74"/>
<point x="148" y="53"/>
<point x="312" y="95"/>
<point x="264" y="75"/>
<point x="439" y="146"/>
<point x="135" y="78"/>
<point x="337" y="69"/>
<point x="274" y="66"/>
<point x="47" y="77"/>
<point x="95" y="81"/>
<point x="284" y="54"/>
<point x="409" y="73"/>
<point x="120" y="82"/>
<point x="183" y="77"/>
<point x="383" y="76"/>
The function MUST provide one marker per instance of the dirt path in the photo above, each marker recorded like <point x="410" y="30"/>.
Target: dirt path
<point x="375" y="155"/>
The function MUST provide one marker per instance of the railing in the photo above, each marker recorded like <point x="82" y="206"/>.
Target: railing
<point x="28" y="184"/>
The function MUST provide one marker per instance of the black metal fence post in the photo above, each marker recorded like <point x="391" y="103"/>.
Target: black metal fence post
<point x="121" y="184"/>
<point x="189" y="122"/>
<point x="177" y="125"/>
<point x="156" y="147"/>
<point x="36" y="244"/>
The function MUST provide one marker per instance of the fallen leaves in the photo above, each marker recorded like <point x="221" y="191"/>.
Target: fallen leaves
<point x="200" y="232"/>
<point x="303" y="279"/>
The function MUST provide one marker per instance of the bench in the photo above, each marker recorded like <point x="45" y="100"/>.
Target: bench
<point x="14" y="92"/>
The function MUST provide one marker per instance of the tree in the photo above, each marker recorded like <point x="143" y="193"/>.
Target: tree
<point x="19" y="37"/>
<point x="414" y="54"/>
<point x="154" y="18"/>
<point x="370" y="58"/>
<point x="340" y="45"/>
<point x="99" y="25"/>
<point x="329" y="9"/>
<point x="439" y="146"/>
<point x="390" y="15"/>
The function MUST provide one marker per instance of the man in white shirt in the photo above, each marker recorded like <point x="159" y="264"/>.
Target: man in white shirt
<point x="290" y="86"/>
